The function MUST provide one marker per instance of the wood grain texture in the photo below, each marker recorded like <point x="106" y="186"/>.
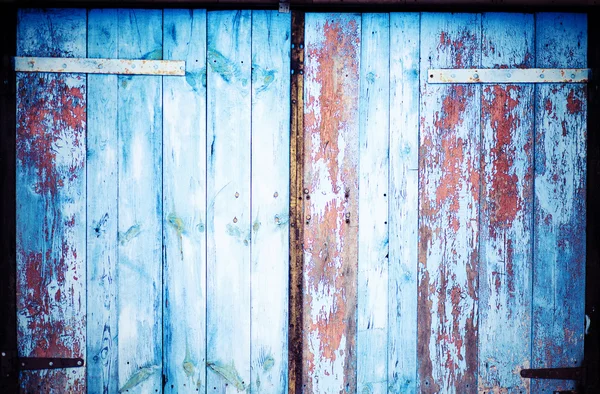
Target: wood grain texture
<point x="331" y="123"/>
<point x="271" y="34"/>
<point x="403" y="202"/>
<point x="51" y="194"/>
<point x="506" y="207"/>
<point x="229" y="216"/>
<point x="449" y="199"/>
<point x="140" y="206"/>
<point x="102" y="193"/>
<point x="374" y="139"/>
<point x="184" y="204"/>
<point x="559" y="210"/>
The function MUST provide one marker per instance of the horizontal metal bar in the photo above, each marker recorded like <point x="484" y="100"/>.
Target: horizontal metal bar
<point x="575" y="373"/>
<point x="99" y="66"/>
<point x="36" y="363"/>
<point x="509" y="75"/>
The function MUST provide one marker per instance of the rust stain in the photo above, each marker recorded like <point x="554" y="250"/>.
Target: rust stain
<point x="329" y="242"/>
<point x="574" y="104"/>
<point x="51" y="118"/>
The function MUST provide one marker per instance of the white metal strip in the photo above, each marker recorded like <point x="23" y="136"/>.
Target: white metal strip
<point x="509" y="75"/>
<point x="100" y="66"/>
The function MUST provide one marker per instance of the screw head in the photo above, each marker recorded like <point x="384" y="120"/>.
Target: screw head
<point x="476" y="76"/>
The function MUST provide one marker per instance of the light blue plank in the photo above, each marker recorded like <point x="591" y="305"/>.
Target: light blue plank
<point x="140" y="206"/>
<point x="228" y="201"/>
<point x="448" y="207"/>
<point x="271" y="32"/>
<point x="559" y="210"/>
<point x="102" y="208"/>
<point x="506" y="207"/>
<point x="184" y="204"/>
<point x="372" y="328"/>
<point x="51" y="194"/>
<point x="403" y="202"/>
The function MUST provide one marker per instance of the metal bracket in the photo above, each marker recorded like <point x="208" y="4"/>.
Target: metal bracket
<point x="284" y="6"/>
<point x="576" y="373"/>
<point x="10" y="363"/>
<point x="99" y="66"/>
<point x="509" y="75"/>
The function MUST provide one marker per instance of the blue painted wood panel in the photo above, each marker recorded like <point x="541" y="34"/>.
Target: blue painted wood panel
<point x="51" y="200"/>
<point x="505" y="243"/>
<point x="559" y="201"/>
<point x="102" y="202"/>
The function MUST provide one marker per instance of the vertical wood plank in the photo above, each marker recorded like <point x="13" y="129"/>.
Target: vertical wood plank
<point x="229" y="161"/>
<point x="372" y="297"/>
<point x="506" y="207"/>
<point x="559" y="210"/>
<point x="270" y="200"/>
<point x="449" y="199"/>
<point x="140" y="206"/>
<point x="331" y="201"/>
<point x="51" y="179"/>
<point x="102" y="218"/>
<point x="184" y="204"/>
<point x="403" y="202"/>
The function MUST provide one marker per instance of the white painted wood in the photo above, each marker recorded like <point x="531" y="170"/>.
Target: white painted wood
<point x="509" y="75"/>
<point x="140" y="207"/>
<point x="372" y="329"/>
<point x="102" y="336"/>
<point x="184" y="204"/>
<point x="228" y="201"/>
<point x="403" y="202"/>
<point x="99" y="66"/>
<point x="271" y="32"/>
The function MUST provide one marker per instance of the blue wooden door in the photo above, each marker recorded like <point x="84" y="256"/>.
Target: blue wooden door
<point x="153" y="211"/>
<point x="445" y="224"/>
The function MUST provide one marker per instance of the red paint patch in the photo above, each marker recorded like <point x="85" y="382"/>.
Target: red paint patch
<point x="574" y="104"/>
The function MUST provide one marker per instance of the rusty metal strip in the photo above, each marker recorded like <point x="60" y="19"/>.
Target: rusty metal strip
<point x="296" y="205"/>
<point x="99" y="66"/>
<point x="511" y="75"/>
<point x="576" y="373"/>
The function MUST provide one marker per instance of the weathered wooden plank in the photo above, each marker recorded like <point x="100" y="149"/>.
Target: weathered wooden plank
<point x="403" y="202"/>
<point x="559" y="210"/>
<point x="448" y="209"/>
<point x="140" y="206"/>
<point x="102" y="192"/>
<point x="184" y="204"/>
<point x="506" y="208"/>
<point x="331" y="201"/>
<point x="374" y="139"/>
<point x="270" y="201"/>
<point x="51" y="179"/>
<point x="228" y="216"/>
<point x="100" y="66"/>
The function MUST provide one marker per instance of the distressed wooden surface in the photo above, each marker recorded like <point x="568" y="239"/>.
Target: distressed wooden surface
<point x="229" y="221"/>
<point x="374" y="139"/>
<point x="102" y="192"/>
<point x="331" y="201"/>
<point x="449" y="199"/>
<point x="140" y="206"/>
<point x="403" y="202"/>
<point x="506" y="207"/>
<point x="184" y="204"/>
<point x="271" y="34"/>
<point x="51" y="195"/>
<point x="559" y="210"/>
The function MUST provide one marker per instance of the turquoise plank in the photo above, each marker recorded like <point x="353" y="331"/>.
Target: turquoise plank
<point x="102" y="170"/>
<point x="184" y="204"/>
<point x="403" y="202"/>
<point x="374" y="139"/>
<point x="139" y="266"/>
<point x="51" y="195"/>
<point x="448" y="207"/>
<point x="506" y="207"/>
<point x="271" y="32"/>
<point x="559" y="210"/>
<point x="228" y="201"/>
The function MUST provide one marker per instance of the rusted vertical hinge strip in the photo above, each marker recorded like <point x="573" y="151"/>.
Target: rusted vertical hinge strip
<point x="296" y="204"/>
